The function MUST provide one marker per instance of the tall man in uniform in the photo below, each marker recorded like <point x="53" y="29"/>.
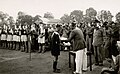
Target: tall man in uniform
<point x="79" y="47"/>
<point x="24" y="38"/>
<point x="9" y="37"/>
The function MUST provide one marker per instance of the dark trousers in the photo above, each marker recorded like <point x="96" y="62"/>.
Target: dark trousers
<point x="55" y="62"/>
<point x="98" y="54"/>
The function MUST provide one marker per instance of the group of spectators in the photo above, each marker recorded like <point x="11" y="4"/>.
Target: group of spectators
<point x="100" y="37"/>
<point x="26" y="38"/>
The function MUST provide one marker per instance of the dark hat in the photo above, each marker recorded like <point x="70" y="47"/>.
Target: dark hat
<point x="105" y="23"/>
<point x="58" y="25"/>
<point x="96" y="21"/>
<point x="73" y="24"/>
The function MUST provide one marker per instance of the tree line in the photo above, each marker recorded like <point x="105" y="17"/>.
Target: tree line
<point x="90" y="15"/>
<point x="76" y="15"/>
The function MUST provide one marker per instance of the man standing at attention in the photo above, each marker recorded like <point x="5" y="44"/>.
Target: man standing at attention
<point x="79" y="47"/>
<point x="55" y="48"/>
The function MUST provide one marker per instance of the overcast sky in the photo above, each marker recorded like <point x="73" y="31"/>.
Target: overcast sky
<point x="57" y="7"/>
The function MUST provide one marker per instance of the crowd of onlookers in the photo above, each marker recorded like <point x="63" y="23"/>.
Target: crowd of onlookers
<point x="101" y="37"/>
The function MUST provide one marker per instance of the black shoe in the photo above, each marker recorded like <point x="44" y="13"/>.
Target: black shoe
<point x="84" y="70"/>
<point x="75" y="73"/>
<point x="56" y="70"/>
<point x="100" y="64"/>
<point x="22" y="50"/>
<point x="39" y="51"/>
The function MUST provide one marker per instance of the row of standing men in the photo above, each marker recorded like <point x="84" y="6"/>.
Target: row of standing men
<point x="22" y="38"/>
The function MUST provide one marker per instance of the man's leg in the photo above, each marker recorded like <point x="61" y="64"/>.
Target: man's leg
<point x="40" y="48"/>
<point x="22" y="45"/>
<point x="55" y="69"/>
<point x="26" y="46"/>
<point x="15" y="45"/>
<point x="96" y="55"/>
<point x="78" y="60"/>
<point x="85" y="59"/>
<point x="100" y="57"/>
<point x="55" y="62"/>
<point x="43" y="48"/>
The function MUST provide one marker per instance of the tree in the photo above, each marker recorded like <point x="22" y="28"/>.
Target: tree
<point x="65" y="18"/>
<point x="76" y="15"/>
<point x="36" y="18"/>
<point x="20" y="13"/>
<point x="10" y="20"/>
<point x="105" y="16"/>
<point x="24" y="19"/>
<point x="27" y="19"/>
<point x="48" y="15"/>
<point x="91" y="14"/>
<point x="20" y="17"/>
<point x="3" y="16"/>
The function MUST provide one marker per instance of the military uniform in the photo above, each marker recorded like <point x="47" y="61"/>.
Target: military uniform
<point x="3" y="37"/>
<point x="107" y="42"/>
<point x="41" y="39"/>
<point x="24" y="38"/>
<point x="9" y="37"/>
<point x="15" y="38"/>
<point x="97" y="43"/>
<point x="33" y="40"/>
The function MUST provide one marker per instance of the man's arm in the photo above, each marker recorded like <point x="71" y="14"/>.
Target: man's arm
<point x="117" y="64"/>
<point x="72" y="35"/>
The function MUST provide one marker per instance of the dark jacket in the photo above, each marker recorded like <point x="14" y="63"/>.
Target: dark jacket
<point x="78" y="39"/>
<point x="117" y="64"/>
<point x="98" y="38"/>
<point x="55" y="44"/>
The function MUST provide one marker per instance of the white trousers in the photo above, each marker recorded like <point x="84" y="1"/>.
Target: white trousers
<point x="81" y="60"/>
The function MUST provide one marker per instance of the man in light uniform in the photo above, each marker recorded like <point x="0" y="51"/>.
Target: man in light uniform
<point x="79" y="47"/>
<point x="24" y="38"/>
<point x="9" y="36"/>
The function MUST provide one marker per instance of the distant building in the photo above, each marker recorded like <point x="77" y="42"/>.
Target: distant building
<point x="48" y="21"/>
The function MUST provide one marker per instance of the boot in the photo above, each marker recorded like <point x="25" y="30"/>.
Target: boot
<point x="15" y="45"/>
<point x="55" y="67"/>
<point x="12" y="45"/>
<point x="8" y="45"/>
<point x="18" y="45"/>
<point x="40" y="49"/>
<point x="5" y="44"/>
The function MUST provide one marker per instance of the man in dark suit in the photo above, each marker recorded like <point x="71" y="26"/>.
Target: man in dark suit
<point x="55" y="48"/>
<point x="79" y="47"/>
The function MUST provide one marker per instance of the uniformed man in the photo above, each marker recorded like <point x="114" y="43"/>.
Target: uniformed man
<point x="55" y="48"/>
<point x="3" y="36"/>
<point x="41" y="39"/>
<point x="79" y="47"/>
<point x="9" y="37"/>
<point x="18" y="38"/>
<point x="24" y="38"/>
<point x="34" y="38"/>
<point x="107" y="40"/>
<point x="14" y="37"/>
